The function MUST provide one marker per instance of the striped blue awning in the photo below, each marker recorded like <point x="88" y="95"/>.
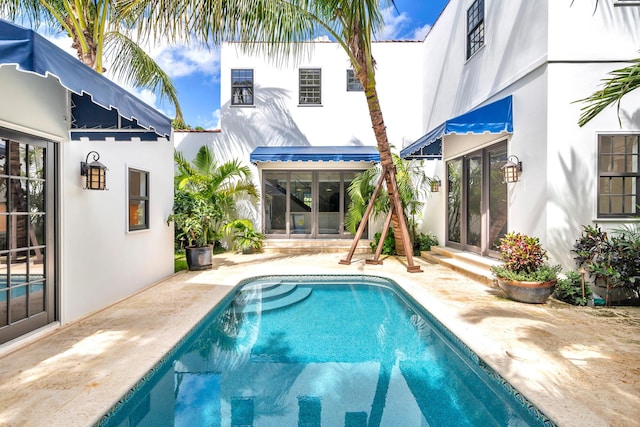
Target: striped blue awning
<point x="494" y="118"/>
<point x="31" y="52"/>
<point x="356" y="153"/>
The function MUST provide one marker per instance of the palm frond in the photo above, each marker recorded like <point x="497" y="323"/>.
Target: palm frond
<point x="132" y="65"/>
<point x="621" y="82"/>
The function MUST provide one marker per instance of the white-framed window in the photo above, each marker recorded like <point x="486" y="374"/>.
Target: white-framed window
<point x="241" y="87"/>
<point x="618" y="176"/>
<point x="310" y="86"/>
<point x="138" y="199"/>
<point x="353" y="82"/>
<point x="475" y="27"/>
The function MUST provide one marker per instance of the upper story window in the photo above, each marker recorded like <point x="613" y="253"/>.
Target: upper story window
<point x="626" y="2"/>
<point x="241" y="87"/>
<point x="353" y="83"/>
<point x="138" y="199"/>
<point x="618" y="176"/>
<point x="310" y="79"/>
<point x="475" y="27"/>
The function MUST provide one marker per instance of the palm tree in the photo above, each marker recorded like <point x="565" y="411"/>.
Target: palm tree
<point x="97" y="29"/>
<point x="228" y="187"/>
<point x="275" y="28"/>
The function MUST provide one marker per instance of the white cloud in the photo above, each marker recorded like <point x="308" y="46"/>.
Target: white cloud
<point x="400" y="27"/>
<point x="394" y="24"/>
<point x="183" y="60"/>
<point x="421" y="32"/>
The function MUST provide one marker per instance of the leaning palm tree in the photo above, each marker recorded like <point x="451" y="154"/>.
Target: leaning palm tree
<point x="97" y="30"/>
<point x="275" y="28"/>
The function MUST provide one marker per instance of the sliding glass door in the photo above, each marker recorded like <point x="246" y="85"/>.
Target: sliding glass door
<point x="306" y="204"/>
<point x="477" y="200"/>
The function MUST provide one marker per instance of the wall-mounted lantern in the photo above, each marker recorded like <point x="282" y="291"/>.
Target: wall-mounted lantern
<point x="95" y="173"/>
<point x="512" y="169"/>
<point x="435" y="184"/>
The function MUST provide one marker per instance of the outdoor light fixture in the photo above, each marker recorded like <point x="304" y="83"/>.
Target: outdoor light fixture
<point x="95" y="173"/>
<point x="435" y="184"/>
<point x="512" y="169"/>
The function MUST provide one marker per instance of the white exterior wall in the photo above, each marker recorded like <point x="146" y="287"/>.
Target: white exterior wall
<point x="99" y="261"/>
<point x="454" y="86"/>
<point x="342" y="119"/>
<point x="102" y="261"/>
<point x="586" y="43"/>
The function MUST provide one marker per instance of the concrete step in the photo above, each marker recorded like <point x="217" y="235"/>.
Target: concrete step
<point x="254" y="294"/>
<point x="286" y="299"/>
<point x="474" y="266"/>
<point x="314" y="246"/>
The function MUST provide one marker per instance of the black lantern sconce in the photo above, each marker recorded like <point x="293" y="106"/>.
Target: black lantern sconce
<point x="512" y="169"/>
<point x="435" y="184"/>
<point x="95" y="173"/>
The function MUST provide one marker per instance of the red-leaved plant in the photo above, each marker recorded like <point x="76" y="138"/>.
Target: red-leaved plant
<point x="522" y="253"/>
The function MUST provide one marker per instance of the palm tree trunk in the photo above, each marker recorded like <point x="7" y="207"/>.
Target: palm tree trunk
<point x="380" y="130"/>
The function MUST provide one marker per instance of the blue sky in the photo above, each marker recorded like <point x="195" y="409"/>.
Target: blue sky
<point x="195" y="70"/>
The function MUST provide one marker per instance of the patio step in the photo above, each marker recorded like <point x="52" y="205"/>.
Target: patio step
<point x="266" y="297"/>
<point x="474" y="266"/>
<point x="298" y="246"/>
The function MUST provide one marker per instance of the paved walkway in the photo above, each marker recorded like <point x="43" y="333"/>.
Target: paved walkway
<point x="580" y="365"/>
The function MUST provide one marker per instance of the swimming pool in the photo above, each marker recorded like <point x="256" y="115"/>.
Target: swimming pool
<point x="322" y="350"/>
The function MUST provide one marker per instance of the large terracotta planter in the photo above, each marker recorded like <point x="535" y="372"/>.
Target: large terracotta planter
<point x="530" y="292"/>
<point x="199" y="258"/>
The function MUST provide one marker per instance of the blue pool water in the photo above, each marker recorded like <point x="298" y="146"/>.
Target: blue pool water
<point x="322" y="351"/>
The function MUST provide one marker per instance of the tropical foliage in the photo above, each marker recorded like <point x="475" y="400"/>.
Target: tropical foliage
<point x="524" y="259"/>
<point x="244" y="237"/>
<point x="612" y="90"/>
<point x="98" y="31"/>
<point x="210" y="195"/>
<point x="614" y="260"/>
<point x="412" y="184"/>
<point x="572" y="290"/>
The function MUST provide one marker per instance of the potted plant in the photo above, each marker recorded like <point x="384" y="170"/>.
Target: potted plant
<point x="245" y="238"/>
<point x="195" y="218"/>
<point x="524" y="275"/>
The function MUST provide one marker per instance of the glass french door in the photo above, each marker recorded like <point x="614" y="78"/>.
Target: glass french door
<point x="27" y="282"/>
<point x="477" y="200"/>
<point x="308" y="204"/>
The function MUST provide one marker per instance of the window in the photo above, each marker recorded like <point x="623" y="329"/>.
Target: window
<point x="138" y="199"/>
<point x="618" y="176"/>
<point x="310" y="86"/>
<point x="353" y="83"/>
<point x="241" y="87"/>
<point x="475" y="27"/>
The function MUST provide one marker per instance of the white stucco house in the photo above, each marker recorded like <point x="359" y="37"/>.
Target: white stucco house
<point x="494" y="81"/>
<point x="65" y="250"/>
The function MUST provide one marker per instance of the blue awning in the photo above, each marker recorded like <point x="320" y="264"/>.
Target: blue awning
<point x="33" y="53"/>
<point x="356" y="153"/>
<point x="494" y="118"/>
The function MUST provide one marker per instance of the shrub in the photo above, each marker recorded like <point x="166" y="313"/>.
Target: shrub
<point x="615" y="260"/>
<point x="389" y="245"/>
<point x="423" y="242"/>
<point x="569" y="289"/>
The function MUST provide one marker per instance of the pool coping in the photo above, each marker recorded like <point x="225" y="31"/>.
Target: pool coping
<point x="66" y="378"/>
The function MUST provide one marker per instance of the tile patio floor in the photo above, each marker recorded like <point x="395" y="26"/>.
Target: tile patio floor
<point x="580" y="365"/>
